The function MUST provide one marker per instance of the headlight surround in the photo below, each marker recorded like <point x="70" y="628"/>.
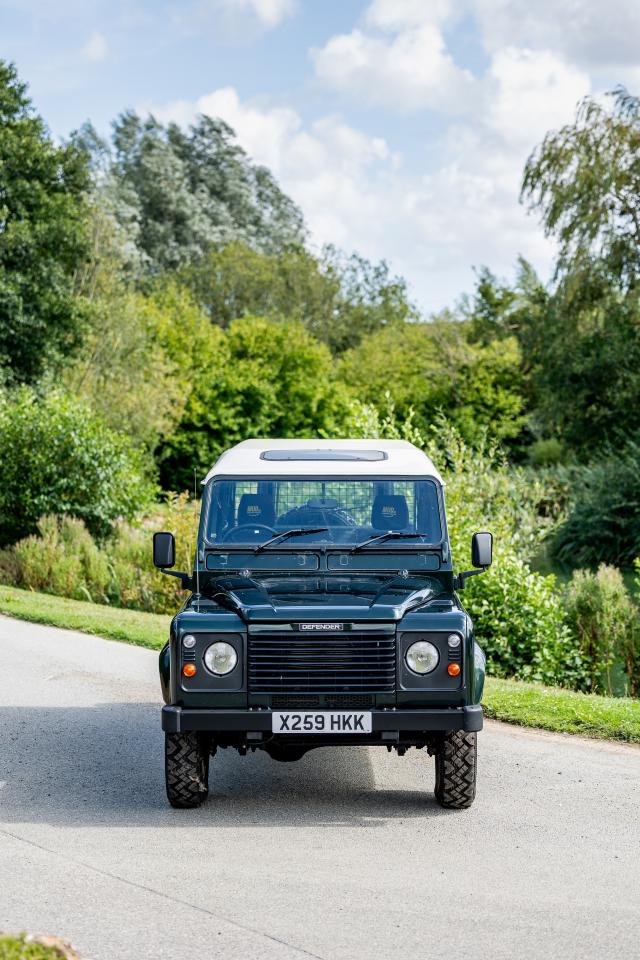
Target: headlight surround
<point x="220" y="658"/>
<point x="422" y="657"/>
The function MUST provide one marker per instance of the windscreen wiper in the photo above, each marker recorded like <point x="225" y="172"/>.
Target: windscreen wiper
<point x="390" y="535"/>
<point x="295" y="532"/>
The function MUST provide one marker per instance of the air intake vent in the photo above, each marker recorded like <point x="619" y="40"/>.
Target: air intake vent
<point x="279" y="702"/>
<point x="353" y="662"/>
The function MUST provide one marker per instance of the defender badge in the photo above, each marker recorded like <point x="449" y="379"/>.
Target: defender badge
<point x="321" y="626"/>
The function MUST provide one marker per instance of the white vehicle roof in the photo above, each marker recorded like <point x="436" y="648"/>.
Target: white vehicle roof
<point x="357" y="458"/>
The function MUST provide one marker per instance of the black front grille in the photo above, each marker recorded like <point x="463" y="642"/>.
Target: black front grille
<point x="357" y="662"/>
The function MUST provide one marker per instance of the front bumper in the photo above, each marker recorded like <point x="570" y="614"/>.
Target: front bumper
<point x="179" y="719"/>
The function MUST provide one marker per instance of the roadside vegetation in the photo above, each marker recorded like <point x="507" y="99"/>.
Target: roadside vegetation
<point x="131" y="626"/>
<point x="159" y="301"/>
<point x="34" y="948"/>
<point x="562" y="711"/>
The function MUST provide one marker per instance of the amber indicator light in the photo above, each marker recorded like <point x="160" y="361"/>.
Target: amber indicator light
<point x="453" y="669"/>
<point x="189" y="670"/>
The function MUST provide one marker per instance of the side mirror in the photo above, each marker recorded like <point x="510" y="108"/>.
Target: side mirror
<point x="481" y="549"/>
<point x="164" y="550"/>
<point x="481" y="557"/>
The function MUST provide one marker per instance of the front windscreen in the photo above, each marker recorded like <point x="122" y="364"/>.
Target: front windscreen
<point x="323" y="512"/>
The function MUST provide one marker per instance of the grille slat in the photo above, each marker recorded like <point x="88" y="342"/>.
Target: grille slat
<point x="294" y="663"/>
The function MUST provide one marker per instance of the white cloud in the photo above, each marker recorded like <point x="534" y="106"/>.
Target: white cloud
<point x="407" y="70"/>
<point x="588" y="32"/>
<point x="96" y="49"/>
<point x="530" y="92"/>
<point x="265" y="133"/>
<point x="355" y="192"/>
<point x="435" y="217"/>
<point x="269" y="12"/>
<point x="326" y="167"/>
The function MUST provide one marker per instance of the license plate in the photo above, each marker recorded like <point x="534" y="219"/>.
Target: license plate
<point x="324" y="721"/>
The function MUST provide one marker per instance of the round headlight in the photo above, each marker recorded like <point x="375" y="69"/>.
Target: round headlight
<point x="422" y="657"/>
<point x="189" y="641"/>
<point x="454" y="641"/>
<point x="220" y="658"/>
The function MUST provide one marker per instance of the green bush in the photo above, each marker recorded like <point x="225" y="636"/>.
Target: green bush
<point x="631" y="646"/>
<point x="518" y="614"/>
<point x="604" y="620"/>
<point x="546" y="453"/>
<point x="32" y="948"/>
<point x="64" y="559"/>
<point x="483" y="492"/>
<point x="520" y="623"/>
<point x="603" y="523"/>
<point x="257" y="378"/>
<point x="434" y="366"/>
<point x="58" y="458"/>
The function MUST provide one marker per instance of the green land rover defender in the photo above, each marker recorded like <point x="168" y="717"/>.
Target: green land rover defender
<point x="322" y="611"/>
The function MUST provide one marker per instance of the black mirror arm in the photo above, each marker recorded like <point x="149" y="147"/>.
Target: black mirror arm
<point x="460" y="580"/>
<point x="186" y="581"/>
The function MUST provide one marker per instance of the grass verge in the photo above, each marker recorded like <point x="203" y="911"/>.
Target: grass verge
<point x="131" y="626"/>
<point x="563" y="711"/>
<point x="527" y="704"/>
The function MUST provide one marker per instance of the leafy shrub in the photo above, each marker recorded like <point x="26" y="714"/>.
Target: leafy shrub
<point x="381" y="422"/>
<point x="483" y="492"/>
<point x="258" y="378"/>
<point x="64" y="559"/>
<point x="58" y="458"/>
<point x="603" y="524"/>
<point x="35" y="948"/>
<point x="519" y="617"/>
<point x="604" y="620"/>
<point x="546" y="453"/>
<point x="630" y="651"/>
<point x="520" y="623"/>
<point x="434" y="366"/>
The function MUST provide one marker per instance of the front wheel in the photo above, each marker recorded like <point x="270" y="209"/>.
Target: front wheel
<point x="456" y="762"/>
<point x="186" y="765"/>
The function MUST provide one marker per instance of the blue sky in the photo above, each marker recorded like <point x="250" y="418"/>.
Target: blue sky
<point x="399" y="126"/>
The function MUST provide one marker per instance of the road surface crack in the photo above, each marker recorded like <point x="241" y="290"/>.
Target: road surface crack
<point x="164" y="896"/>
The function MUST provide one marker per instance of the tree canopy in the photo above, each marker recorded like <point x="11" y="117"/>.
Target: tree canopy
<point x="176" y="193"/>
<point x="339" y="299"/>
<point x="43" y="237"/>
<point x="584" y="179"/>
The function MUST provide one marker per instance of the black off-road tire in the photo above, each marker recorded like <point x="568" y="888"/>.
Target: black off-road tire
<point x="186" y="766"/>
<point x="456" y="762"/>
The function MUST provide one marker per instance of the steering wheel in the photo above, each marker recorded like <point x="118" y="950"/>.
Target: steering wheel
<point x="256" y="528"/>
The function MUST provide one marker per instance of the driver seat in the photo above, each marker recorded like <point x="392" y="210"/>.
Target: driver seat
<point x="390" y="513"/>
<point x="256" y="508"/>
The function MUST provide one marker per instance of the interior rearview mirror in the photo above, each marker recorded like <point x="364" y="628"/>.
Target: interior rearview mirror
<point x="481" y="549"/>
<point x="164" y="549"/>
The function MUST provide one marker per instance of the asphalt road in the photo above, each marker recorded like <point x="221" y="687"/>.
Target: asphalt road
<point x="344" y="855"/>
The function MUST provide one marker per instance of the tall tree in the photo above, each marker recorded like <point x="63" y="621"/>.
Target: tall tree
<point x="179" y="193"/>
<point x="339" y="299"/>
<point x="434" y="368"/>
<point x="584" y="179"/>
<point x="43" y="237"/>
